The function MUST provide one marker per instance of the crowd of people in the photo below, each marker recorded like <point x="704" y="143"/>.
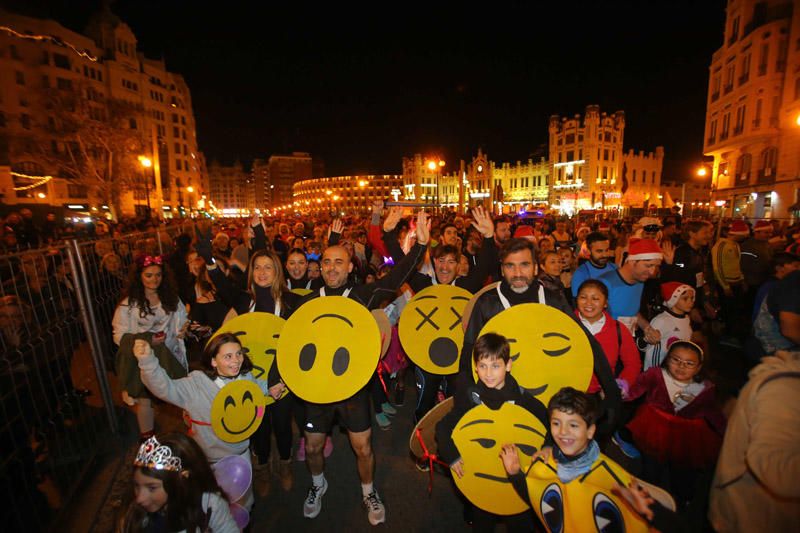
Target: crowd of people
<point x="669" y="302"/>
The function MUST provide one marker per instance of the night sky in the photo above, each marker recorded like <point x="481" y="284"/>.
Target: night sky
<point x="361" y="89"/>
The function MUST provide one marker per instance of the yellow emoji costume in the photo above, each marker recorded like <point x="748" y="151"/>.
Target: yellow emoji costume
<point x="237" y="410"/>
<point x="585" y="503"/>
<point x="430" y="328"/>
<point x="329" y="349"/>
<point x="549" y="349"/>
<point x="479" y="436"/>
<point x="259" y="333"/>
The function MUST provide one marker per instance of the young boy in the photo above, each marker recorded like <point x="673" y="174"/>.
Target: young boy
<point x="572" y="426"/>
<point x="495" y="387"/>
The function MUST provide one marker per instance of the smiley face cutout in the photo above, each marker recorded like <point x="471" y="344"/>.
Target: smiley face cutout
<point x="587" y="499"/>
<point x="237" y="410"/>
<point x="549" y="350"/>
<point x="430" y="328"/>
<point x="479" y="436"/>
<point x="259" y="333"/>
<point x="329" y="349"/>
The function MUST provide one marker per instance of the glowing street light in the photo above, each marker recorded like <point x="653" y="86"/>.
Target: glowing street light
<point x="42" y="195"/>
<point x="702" y="172"/>
<point x="146" y="163"/>
<point x="189" y="189"/>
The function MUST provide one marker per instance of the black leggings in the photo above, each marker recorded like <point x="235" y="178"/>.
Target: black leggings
<point x="427" y="387"/>
<point x="277" y="419"/>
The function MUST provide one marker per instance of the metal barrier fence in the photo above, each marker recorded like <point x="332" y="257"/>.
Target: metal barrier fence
<point x="56" y="368"/>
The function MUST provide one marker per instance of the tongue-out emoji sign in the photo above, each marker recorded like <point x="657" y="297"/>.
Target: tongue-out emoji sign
<point x="549" y="349"/>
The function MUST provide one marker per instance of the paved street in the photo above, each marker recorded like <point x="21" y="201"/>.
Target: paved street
<point x="402" y="487"/>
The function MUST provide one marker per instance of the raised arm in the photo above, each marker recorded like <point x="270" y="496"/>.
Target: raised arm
<point x="178" y="392"/>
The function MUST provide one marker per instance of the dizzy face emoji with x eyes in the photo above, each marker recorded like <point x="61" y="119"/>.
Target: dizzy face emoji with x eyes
<point x="237" y="410"/>
<point x="329" y="349"/>
<point x="548" y="347"/>
<point x="480" y="436"/>
<point x="259" y="333"/>
<point x="430" y="328"/>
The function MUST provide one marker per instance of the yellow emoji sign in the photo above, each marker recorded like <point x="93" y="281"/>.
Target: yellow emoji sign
<point x="430" y="328"/>
<point x="479" y="436"/>
<point x="549" y="349"/>
<point x="329" y="349"/>
<point x="237" y="410"/>
<point x="585" y="500"/>
<point x="259" y="333"/>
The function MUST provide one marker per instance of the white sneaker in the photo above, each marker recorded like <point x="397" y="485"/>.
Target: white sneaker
<point x="376" y="512"/>
<point x="313" y="504"/>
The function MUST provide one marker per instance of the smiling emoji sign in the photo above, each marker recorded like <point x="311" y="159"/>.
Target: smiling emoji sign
<point x="329" y="349"/>
<point x="237" y="410"/>
<point x="259" y="333"/>
<point x="479" y="436"/>
<point x="549" y="349"/>
<point x="430" y="328"/>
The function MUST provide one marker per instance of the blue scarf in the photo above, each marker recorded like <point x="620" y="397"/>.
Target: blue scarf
<point x="570" y="468"/>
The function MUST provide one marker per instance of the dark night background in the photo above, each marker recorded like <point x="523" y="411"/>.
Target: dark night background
<point x="362" y="87"/>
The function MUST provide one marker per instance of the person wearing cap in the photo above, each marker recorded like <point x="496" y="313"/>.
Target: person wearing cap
<point x="673" y="323"/>
<point x="626" y="284"/>
<point x="648" y="228"/>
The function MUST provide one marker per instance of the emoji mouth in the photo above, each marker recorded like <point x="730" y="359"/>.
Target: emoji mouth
<point x="258" y="412"/>
<point x="536" y="391"/>
<point x="490" y="477"/>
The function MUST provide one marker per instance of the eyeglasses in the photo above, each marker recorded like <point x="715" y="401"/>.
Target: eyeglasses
<point x="652" y="228"/>
<point x="682" y="362"/>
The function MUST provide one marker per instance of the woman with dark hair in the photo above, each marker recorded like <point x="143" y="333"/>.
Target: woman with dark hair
<point x="266" y="292"/>
<point x="175" y="490"/>
<point x="297" y="270"/>
<point x="208" y="311"/>
<point x="151" y="306"/>
<point x="223" y="361"/>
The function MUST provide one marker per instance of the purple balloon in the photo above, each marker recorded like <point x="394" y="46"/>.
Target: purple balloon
<point x="234" y="475"/>
<point x="240" y="515"/>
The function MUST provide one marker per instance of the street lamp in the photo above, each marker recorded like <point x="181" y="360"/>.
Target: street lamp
<point x="436" y="165"/>
<point x="146" y="163"/>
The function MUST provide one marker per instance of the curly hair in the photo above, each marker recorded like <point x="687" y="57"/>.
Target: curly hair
<point x="167" y="291"/>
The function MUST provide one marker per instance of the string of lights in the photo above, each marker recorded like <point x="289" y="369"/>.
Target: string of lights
<point x="51" y="38"/>
<point x="40" y="180"/>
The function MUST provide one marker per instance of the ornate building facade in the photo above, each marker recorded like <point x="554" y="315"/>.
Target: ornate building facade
<point x="753" y="110"/>
<point x="343" y="194"/>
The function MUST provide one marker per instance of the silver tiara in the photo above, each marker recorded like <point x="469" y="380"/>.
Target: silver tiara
<point x="156" y="456"/>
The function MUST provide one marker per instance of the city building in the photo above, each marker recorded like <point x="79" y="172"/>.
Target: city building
<point x="694" y="196"/>
<point x="138" y="145"/>
<point x="590" y="170"/>
<point x="283" y="171"/>
<point x="753" y="112"/>
<point x="345" y="194"/>
<point x="232" y="191"/>
<point x="421" y="179"/>
<point x="261" y="183"/>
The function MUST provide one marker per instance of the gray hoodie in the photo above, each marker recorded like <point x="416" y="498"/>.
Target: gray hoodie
<point x="195" y="393"/>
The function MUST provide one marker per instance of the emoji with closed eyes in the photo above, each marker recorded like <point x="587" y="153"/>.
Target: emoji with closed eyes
<point x="480" y="436"/>
<point x="430" y="328"/>
<point x="549" y="349"/>
<point x="259" y="333"/>
<point x="329" y="349"/>
<point x="237" y="410"/>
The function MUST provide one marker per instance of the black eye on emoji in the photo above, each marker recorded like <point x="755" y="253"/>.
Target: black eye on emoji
<point x="559" y="351"/>
<point x="486" y="443"/>
<point x="607" y="517"/>
<point x="552" y="508"/>
<point x="308" y="354"/>
<point x="426" y="319"/>
<point x="341" y="359"/>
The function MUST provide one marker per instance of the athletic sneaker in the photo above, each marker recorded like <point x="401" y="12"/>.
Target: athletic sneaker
<point x="376" y="513"/>
<point x="383" y="421"/>
<point x="328" y="449"/>
<point x="313" y="504"/>
<point x="626" y="447"/>
<point x="387" y="408"/>
<point x="423" y="465"/>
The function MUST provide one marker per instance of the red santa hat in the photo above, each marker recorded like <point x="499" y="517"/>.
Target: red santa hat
<point x="672" y="291"/>
<point x="738" y="227"/>
<point x="762" y="225"/>
<point x="604" y="226"/>
<point x="583" y="229"/>
<point x="524" y="232"/>
<point x="643" y="249"/>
